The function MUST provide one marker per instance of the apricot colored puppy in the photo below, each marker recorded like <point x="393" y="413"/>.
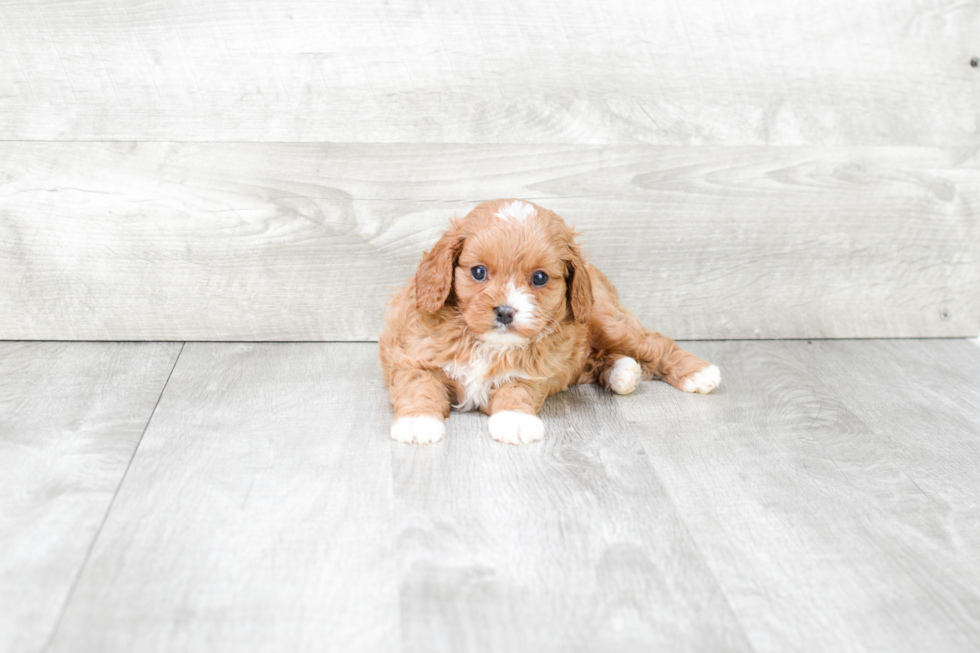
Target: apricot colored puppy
<point x="505" y="311"/>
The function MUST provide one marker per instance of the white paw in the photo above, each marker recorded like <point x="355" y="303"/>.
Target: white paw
<point x="704" y="381"/>
<point x="418" y="430"/>
<point x="624" y="376"/>
<point x="513" y="427"/>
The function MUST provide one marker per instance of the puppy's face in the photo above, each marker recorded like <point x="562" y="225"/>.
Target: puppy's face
<point x="512" y="267"/>
<point x="510" y="284"/>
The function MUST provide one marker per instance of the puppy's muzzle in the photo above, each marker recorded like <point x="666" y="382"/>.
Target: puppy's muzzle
<point x="505" y="314"/>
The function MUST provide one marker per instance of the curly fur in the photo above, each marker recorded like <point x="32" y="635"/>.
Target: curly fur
<point x="443" y="345"/>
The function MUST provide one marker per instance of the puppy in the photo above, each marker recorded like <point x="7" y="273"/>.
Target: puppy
<point x="505" y="311"/>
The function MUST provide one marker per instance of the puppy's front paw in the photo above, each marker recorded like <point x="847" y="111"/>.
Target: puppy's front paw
<point x="514" y="427"/>
<point x="624" y="376"/>
<point x="704" y="381"/>
<point x="418" y="430"/>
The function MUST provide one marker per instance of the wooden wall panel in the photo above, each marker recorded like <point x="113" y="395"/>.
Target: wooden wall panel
<point x="790" y="169"/>
<point x="186" y="241"/>
<point x="700" y="72"/>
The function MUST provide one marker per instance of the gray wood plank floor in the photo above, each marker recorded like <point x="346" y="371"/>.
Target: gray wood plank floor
<point x="71" y="415"/>
<point x="257" y="516"/>
<point x="825" y="498"/>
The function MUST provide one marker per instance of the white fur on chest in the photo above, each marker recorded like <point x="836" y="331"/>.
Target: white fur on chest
<point x="475" y="381"/>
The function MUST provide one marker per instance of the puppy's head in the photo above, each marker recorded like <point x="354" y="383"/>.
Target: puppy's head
<point x="513" y="271"/>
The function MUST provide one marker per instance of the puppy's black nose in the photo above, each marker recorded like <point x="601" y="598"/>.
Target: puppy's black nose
<point x="505" y="314"/>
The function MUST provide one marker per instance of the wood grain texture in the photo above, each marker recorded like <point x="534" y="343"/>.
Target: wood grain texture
<point x="923" y="400"/>
<point x="824" y="498"/>
<point x="700" y="72"/>
<point x="304" y="242"/>
<point x="568" y="545"/>
<point x="831" y="490"/>
<point x="71" y="416"/>
<point x="256" y="514"/>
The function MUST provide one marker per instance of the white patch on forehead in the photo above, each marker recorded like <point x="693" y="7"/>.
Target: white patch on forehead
<point x="518" y="210"/>
<point x="474" y="379"/>
<point x="521" y="301"/>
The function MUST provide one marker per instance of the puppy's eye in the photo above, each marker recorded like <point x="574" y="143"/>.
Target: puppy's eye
<point x="478" y="272"/>
<point x="539" y="278"/>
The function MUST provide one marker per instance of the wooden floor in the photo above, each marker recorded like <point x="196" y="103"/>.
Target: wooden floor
<point x="246" y="497"/>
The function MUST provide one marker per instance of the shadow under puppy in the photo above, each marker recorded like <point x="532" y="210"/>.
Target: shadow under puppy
<point x="505" y="311"/>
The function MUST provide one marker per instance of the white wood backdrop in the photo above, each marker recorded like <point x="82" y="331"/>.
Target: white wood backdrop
<point x="776" y="72"/>
<point x="268" y="170"/>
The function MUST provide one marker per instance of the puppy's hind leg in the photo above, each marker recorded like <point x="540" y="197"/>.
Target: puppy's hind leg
<point x="622" y="374"/>
<point x="421" y="403"/>
<point x="661" y="358"/>
<point x="622" y="342"/>
<point x="617" y="336"/>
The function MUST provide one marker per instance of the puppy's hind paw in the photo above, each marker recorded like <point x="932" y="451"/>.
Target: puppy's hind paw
<point x="704" y="381"/>
<point x="418" y="430"/>
<point x="514" y="427"/>
<point x="624" y="376"/>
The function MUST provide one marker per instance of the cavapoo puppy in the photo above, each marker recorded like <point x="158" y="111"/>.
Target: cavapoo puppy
<point x="505" y="311"/>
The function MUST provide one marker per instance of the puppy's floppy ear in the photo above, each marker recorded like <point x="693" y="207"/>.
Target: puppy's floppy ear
<point x="434" y="278"/>
<point x="579" y="287"/>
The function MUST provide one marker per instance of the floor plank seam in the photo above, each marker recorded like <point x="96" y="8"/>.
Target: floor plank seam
<point x="884" y="434"/>
<point x="105" y="517"/>
<point x="651" y="465"/>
